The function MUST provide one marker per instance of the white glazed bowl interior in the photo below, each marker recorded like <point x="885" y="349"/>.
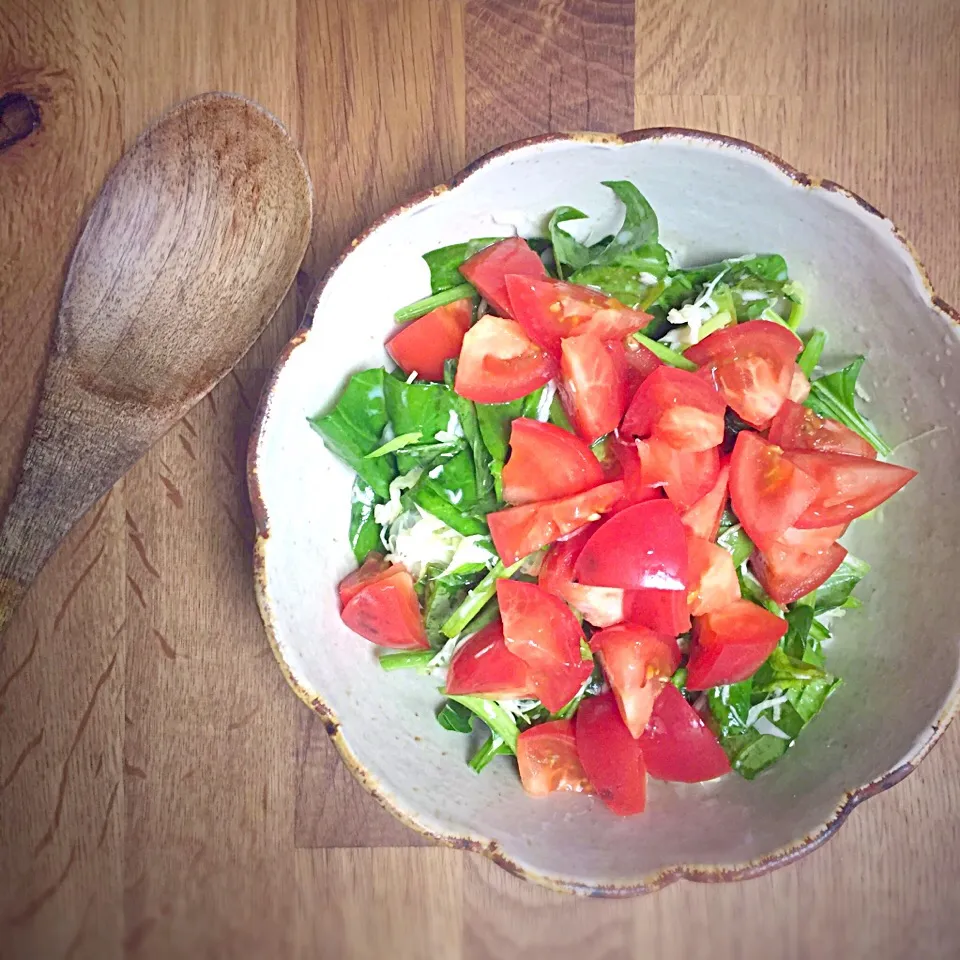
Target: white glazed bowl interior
<point x="899" y="656"/>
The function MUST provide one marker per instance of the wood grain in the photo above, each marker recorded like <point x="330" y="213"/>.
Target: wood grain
<point x="161" y="793"/>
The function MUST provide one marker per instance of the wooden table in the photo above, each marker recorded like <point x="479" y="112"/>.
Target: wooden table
<point x="162" y="794"/>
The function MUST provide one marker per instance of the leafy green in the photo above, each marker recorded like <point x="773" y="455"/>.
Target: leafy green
<point x="419" y="407"/>
<point x="441" y="598"/>
<point x="623" y="281"/>
<point x="495" y="420"/>
<point x="397" y="443"/>
<point x="466" y="411"/>
<point x="836" y="590"/>
<point x="783" y="672"/>
<point x="567" y="252"/>
<point x="494" y="716"/>
<point x="445" y="262"/>
<point x="834" y="396"/>
<point x="558" y="416"/>
<point x="492" y="747"/>
<point x="364" y="530"/>
<point x="639" y="229"/>
<point x="455" y="716"/>
<point x="477" y="598"/>
<point x="736" y="542"/>
<point x="353" y="428"/>
<point x="812" y="350"/>
<point x="448" y="490"/>
<point x="420" y="307"/>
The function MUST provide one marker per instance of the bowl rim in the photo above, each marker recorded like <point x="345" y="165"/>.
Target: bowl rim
<point x="490" y="848"/>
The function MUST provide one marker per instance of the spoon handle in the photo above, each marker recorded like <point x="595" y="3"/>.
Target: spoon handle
<point x="70" y="463"/>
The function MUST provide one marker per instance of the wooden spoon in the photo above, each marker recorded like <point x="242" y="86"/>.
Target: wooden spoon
<point x="191" y="246"/>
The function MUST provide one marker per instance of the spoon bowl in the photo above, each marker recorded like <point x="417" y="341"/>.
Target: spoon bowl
<point x="190" y="247"/>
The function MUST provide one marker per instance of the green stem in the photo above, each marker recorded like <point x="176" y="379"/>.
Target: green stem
<point x="476" y="599"/>
<point x="419" y="660"/>
<point x="492" y="747"/>
<point x="667" y="355"/>
<point x="810" y="355"/>
<point x="494" y="716"/>
<point x="441" y="299"/>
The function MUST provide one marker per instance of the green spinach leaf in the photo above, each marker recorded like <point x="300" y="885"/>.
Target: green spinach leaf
<point x="353" y="428"/>
<point x="445" y="262"/>
<point x="836" y="590"/>
<point x="448" y="490"/>
<point x="364" y="530"/>
<point x="834" y="396"/>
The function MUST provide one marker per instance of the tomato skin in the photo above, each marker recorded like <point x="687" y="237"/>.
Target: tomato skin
<point x="677" y="407"/>
<point x="729" y="645"/>
<point x="550" y="310"/>
<point x="499" y="362"/>
<point x="768" y="491"/>
<point x="713" y="578"/>
<point x="546" y="463"/>
<point x="799" y="428"/>
<point x="677" y="745"/>
<point x="610" y="757"/>
<point x="635" y="490"/>
<point x="703" y="518"/>
<point x="374" y="568"/>
<point x="642" y="360"/>
<point x="592" y="386"/>
<point x="666" y="612"/>
<point x="548" y="760"/>
<point x="423" y="345"/>
<point x="537" y="626"/>
<point x="789" y="573"/>
<point x="641" y="546"/>
<point x="556" y="687"/>
<point x="848" y="486"/>
<point x="685" y="476"/>
<point x="558" y="568"/>
<point x="637" y="663"/>
<point x="751" y="364"/>
<point x="519" y="531"/>
<point x="484" y="667"/>
<point x="488" y="270"/>
<point x="386" y="612"/>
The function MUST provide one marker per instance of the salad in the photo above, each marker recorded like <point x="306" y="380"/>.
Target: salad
<point x="598" y="504"/>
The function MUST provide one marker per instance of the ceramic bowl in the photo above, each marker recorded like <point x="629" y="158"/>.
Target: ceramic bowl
<point x="899" y="656"/>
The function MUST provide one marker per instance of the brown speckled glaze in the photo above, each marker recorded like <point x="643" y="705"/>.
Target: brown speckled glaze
<point x="656" y="880"/>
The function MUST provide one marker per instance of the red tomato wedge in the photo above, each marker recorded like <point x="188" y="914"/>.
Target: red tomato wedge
<point x="789" y="573"/>
<point x="713" y="578"/>
<point x="664" y="611"/>
<point x="730" y="644"/>
<point x="599" y="606"/>
<point x="519" y="531"/>
<point x="677" y="407"/>
<point x="635" y="490"/>
<point x="537" y="626"/>
<point x="685" y="477"/>
<point x="386" y="612"/>
<point x="488" y="270"/>
<point x="642" y="546"/>
<point x="751" y="364"/>
<point x="640" y="359"/>
<point x="637" y="663"/>
<point x="797" y="428"/>
<point x="547" y="462"/>
<point x="499" y="362"/>
<point x="610" y="757"/>
<point x="484" y="667"/>
<point x="848" y="486"/>
<point x="548" y="760"/>
<point x="799" y="386"/>
<point x="423" y="345"/>
<point x="556" y="687"/>
<point x="703" y="518"/>
<point x="592" y="386"/>
<point x="768" y="492"/>
<point x="677" y="745"/>
<point x="550" y="310"/>
<point x="374" y="568"/>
